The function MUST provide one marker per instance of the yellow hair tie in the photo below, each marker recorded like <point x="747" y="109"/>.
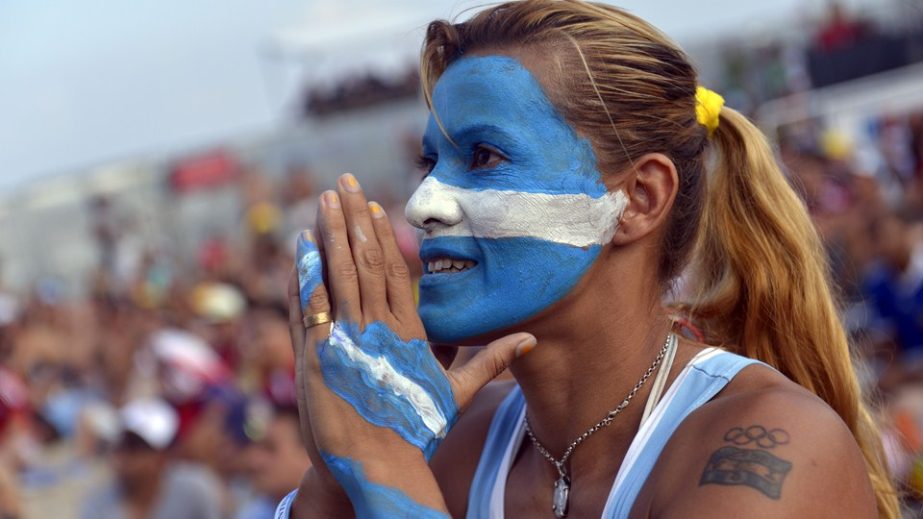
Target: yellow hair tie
<point x="707" y="108"/>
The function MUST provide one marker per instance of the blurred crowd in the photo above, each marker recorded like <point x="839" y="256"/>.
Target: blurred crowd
<point x="362" y="91"/>
<point x="840" y="45"/>
<point x="168" y="391"/>
<point x="867" y="204"/>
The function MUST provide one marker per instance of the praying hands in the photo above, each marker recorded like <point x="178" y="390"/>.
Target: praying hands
<point x="374" y="401"/>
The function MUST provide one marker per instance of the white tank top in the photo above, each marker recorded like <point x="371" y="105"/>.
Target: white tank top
<point x="699" y="381"/>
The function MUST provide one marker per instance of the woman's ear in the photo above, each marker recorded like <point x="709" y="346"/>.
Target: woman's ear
<point x="651" y="186"/>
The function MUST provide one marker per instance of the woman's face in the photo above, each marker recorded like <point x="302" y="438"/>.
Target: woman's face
<point x="513" y="208"/>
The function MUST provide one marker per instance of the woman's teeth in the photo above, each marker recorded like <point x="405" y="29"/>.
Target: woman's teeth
<point x="446" y="265"/>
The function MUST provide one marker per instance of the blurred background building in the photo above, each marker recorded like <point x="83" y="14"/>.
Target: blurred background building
<point x="158" y="158"/>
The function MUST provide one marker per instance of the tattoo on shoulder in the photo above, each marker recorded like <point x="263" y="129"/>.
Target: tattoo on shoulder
<point x="753" y="466"/>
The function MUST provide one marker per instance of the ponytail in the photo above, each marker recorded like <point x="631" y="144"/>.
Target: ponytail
<point x="760" y="285"/>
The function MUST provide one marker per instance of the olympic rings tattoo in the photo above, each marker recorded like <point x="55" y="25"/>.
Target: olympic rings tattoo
<point x="757" y="433"/>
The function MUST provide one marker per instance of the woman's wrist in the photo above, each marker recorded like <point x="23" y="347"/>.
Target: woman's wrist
<point x="411" y="489"/>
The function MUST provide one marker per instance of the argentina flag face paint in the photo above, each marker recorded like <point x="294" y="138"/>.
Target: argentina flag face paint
<point x="514" y="209"/>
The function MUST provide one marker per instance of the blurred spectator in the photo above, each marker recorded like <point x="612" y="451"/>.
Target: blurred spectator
<point x="299" y="201"/>
<point x="149" y="483"/>
<point x="839" y="29"/>
<point x="107" y="228"/>
<point x="221" y="308"/>
<point x="13" y="409"/>
<point x="269" y="355"/>
<point x="277" y="461"/>
<point x="894" y="288"/>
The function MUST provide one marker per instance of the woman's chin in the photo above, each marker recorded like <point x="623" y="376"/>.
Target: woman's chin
<point x="464" y="336"/>
<point x="479" y="324"/>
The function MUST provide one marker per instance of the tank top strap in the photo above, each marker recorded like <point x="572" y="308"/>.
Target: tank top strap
<point x="707" y="374"/>
<point x="496" y="457"/>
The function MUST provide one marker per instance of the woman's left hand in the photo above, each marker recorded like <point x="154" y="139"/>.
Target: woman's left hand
<point x="369" y="382"/>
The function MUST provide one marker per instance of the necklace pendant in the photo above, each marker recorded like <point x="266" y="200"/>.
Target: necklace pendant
<point x="561" y="494"/>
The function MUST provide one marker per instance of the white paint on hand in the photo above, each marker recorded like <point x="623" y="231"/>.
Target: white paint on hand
<point x="389" y="378"/>
<point x="308" y="265"/>
<point x="357" y="232"/>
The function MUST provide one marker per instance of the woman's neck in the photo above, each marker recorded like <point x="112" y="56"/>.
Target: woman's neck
<point x="585" y="364"/>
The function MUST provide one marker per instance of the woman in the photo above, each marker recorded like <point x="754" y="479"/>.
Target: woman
<point x="574" y="170"/>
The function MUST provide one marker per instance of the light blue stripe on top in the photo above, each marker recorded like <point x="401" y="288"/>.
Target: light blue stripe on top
<point x="284" y="509"/>
<point x="707" y="374"/>
<point x="703" y="378"/>
<point x="505" y="432"/>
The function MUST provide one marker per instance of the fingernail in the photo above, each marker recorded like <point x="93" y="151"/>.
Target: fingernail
<point x="525" y="345"/>
<point x="331" y="199"/>
<point x="350" y="183"/>
<point x="376" y="210"/>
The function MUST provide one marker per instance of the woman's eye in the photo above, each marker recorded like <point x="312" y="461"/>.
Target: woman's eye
<point x="426" y="164"/>
<point x="484" y="157"/>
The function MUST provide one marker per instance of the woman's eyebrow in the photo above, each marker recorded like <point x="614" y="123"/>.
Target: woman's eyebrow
<point x="473" y="132"/>
<point x="480" y="131"/>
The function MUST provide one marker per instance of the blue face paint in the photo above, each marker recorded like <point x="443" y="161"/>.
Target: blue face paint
<point x="533" y="221"/>
<point x="389" y="382"/>
<point x="310" y="268"/>
<point x="372" y="500"/>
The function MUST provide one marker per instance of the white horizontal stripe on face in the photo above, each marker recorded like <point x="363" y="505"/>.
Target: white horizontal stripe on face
<point x="572" y="219"/>
<point x="391" y="379"/>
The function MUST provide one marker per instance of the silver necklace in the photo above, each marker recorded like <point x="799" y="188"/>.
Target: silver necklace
<point x="562" y="485"/>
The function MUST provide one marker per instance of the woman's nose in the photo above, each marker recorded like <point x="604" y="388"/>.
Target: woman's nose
<point x="433" y="206"/>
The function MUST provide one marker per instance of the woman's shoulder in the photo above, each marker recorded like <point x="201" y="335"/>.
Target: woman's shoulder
<point x="456" y="460"/>
<point x="763" y="446"/>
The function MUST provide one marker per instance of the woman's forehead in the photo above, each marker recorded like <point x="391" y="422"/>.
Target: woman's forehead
<point x="490" y="91"/>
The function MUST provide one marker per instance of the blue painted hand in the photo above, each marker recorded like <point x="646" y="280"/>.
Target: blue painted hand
<point x="390" y="382"/>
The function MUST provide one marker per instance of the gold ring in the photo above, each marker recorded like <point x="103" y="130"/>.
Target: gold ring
<point x="311" y="321"/>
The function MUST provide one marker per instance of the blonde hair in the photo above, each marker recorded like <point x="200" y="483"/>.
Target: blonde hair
<point x="632" y="91"/>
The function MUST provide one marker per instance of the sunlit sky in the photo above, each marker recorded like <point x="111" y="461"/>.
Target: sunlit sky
<point x="84" y="82"/>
